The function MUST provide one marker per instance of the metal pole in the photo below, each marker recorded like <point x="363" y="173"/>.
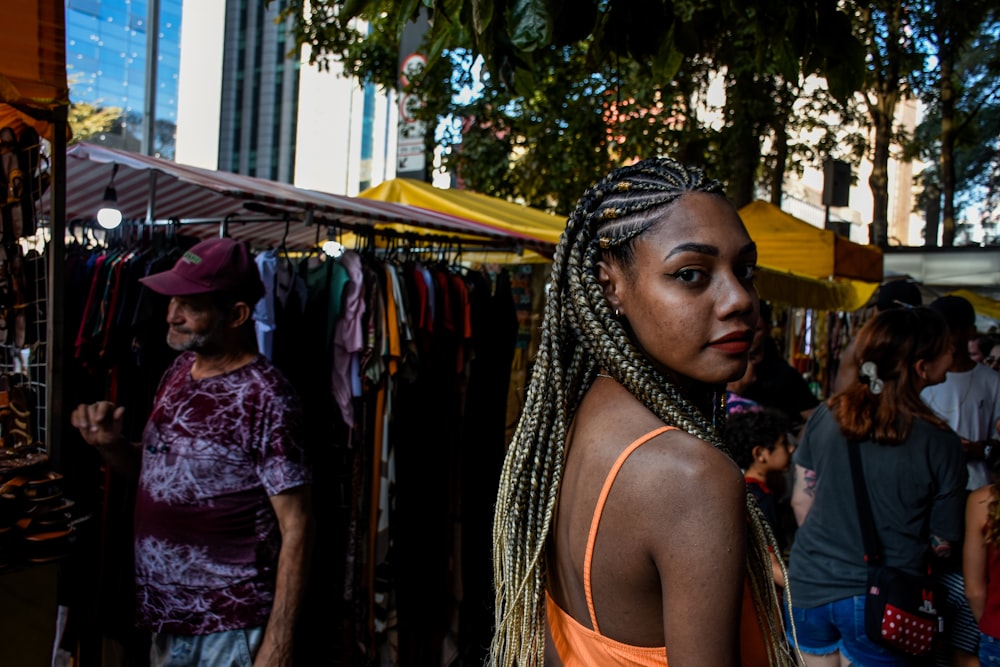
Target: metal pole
<point x="152" y="52"/>
<point x="56" y="251"/>
<point x="151" y="199"/>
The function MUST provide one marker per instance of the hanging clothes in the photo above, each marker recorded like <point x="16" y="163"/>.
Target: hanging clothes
<point x="403" y="368"/>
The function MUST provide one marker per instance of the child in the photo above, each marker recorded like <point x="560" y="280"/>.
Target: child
<point x="758" y="439"/>
<point x="981" y="560"/>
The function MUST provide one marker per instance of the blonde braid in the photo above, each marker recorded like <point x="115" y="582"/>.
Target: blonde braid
<point x="579" y="334"/>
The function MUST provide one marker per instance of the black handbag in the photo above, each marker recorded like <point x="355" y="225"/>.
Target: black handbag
<point x="901" y="609"/>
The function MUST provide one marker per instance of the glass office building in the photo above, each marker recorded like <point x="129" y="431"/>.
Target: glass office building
<point x="106" y="65"/>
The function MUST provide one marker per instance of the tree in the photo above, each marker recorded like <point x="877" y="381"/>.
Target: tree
<point x="962" y="94"/>
<point x="640" y="68"/>
<point x="886" y="27"/>
<point x="88" y="120"/>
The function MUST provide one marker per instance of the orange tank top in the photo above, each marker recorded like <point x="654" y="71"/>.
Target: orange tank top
<point x="579" y="646"/>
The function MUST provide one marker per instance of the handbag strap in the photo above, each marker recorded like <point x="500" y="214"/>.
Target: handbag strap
<point x="873" y="555"/>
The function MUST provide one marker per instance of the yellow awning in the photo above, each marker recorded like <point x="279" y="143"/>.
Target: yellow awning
<point x="794" y="245"/>
<point x="500" y="214"/>
<point x="791" y="264"/>
<point x="793" y="289"/>
<point x="33" y="64"/>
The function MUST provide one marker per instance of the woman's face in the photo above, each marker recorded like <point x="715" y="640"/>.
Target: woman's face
<point x="689" y="298"/>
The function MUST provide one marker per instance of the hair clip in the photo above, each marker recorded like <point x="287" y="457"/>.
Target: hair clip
<point x="869" y="375"/>
<point x="604" y="242"/>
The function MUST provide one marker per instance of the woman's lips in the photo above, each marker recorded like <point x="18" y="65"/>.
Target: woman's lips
<point x="734" y="343"/>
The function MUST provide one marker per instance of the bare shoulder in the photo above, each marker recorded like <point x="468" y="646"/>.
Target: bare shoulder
<point x="611" y="418"/>
<point x="690" y="471"/>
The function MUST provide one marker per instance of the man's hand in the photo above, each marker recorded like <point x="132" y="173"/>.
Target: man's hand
<point x="100" y="424"/>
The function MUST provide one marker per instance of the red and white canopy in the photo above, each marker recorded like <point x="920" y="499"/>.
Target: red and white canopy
<point x="256" y="210"/>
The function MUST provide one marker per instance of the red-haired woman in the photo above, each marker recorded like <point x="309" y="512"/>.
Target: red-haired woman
<point x="914" y="472"/>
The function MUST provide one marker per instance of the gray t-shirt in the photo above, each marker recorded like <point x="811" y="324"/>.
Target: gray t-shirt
<point x="916" y="489"/>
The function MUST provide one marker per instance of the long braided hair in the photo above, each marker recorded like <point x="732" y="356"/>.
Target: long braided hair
<point x="579" y="336"/>
<point x="993" y="511"/>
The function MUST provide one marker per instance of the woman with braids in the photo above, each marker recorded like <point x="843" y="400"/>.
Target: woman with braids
<point x="622" y="525"/>
<point x="981" y="560"/>
<point x="914" y="471"/>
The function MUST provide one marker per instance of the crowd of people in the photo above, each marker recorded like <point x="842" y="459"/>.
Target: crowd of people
<point x="917" y="389"/>
<point x="656" y="357"/>
<point x="673" y="485"/>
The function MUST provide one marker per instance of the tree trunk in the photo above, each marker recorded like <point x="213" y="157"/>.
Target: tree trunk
<point x="743" y="139"/>
<point x="947" y="64"/>
<point x="887" y="91"/>
<point x="780" y="160"/>
<point x="932" y="215"/>
<point x="882" y="114"/>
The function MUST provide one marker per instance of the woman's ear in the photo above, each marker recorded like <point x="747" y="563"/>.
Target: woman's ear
<point x="612" y="281"/>
<point x="920" y="368"/>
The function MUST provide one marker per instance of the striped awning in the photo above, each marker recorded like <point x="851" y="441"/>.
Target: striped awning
<point x="200" y="201"/>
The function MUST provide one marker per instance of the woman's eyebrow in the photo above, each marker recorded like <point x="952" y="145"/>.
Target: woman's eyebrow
<point x="700" y="248"/>
<point x="705" y="249"/>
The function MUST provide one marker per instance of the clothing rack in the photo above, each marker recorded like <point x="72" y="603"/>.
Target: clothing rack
<point x="364" y="232"/>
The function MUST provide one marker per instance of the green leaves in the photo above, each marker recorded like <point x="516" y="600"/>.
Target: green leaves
<point x="529" y="24"/>
<point x="571" y="88"/>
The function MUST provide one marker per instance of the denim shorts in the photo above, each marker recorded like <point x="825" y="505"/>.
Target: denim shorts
<point x="989" y="650"/>
<point x="232" y="648"/>
<point x="840" y="626"/>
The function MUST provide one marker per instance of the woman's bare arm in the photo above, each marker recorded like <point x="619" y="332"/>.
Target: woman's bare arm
<point x="702" y="563"/>
<point x="974" y="561"/>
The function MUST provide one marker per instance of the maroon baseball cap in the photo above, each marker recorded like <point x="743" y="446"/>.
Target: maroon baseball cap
<point x="216" y="265"/>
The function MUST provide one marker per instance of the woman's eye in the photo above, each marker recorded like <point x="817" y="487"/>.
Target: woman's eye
<point x="747" y="272"/>
<point x="688" y="275"/>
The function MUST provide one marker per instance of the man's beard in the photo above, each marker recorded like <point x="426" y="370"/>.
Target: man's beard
<point x="209" y="343"/>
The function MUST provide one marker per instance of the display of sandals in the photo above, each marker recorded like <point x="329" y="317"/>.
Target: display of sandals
<point x="38" y="523"/>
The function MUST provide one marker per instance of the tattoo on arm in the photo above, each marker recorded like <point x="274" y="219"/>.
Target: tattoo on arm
<point x="811" y="478"/>
<point x="940" y="547"/>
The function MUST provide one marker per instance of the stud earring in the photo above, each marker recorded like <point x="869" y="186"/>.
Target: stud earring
<point x="618" y="313"/>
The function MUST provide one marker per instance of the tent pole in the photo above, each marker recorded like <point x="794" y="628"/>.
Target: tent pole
<point x="54" y="377"/>
<point x="151" y="199"/>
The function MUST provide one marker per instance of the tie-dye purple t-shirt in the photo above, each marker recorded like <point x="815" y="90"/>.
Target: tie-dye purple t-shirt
<point x="206" y="537"/>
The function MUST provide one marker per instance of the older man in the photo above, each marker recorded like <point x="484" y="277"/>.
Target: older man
<point x="223" y="523"/>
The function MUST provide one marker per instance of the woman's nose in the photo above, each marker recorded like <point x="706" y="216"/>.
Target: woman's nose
<point x="734" y="296"/>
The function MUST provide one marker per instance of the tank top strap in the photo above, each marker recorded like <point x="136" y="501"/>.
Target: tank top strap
<point x="588" y="557"/>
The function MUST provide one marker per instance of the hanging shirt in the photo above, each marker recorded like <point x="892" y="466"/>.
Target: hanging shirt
<point x="264" y="318"/>
<point x="348" y="337"/>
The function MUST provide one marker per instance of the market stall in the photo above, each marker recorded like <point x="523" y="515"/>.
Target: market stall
<point x="33" y="104"/>
<point x="797" y="260"/>
<point x="156" y="193"/>
<point x="441" y="390"/>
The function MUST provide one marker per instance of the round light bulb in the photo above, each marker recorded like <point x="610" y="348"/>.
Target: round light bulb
<point x="109" y="218"/>
<point x="333" y="249"/>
